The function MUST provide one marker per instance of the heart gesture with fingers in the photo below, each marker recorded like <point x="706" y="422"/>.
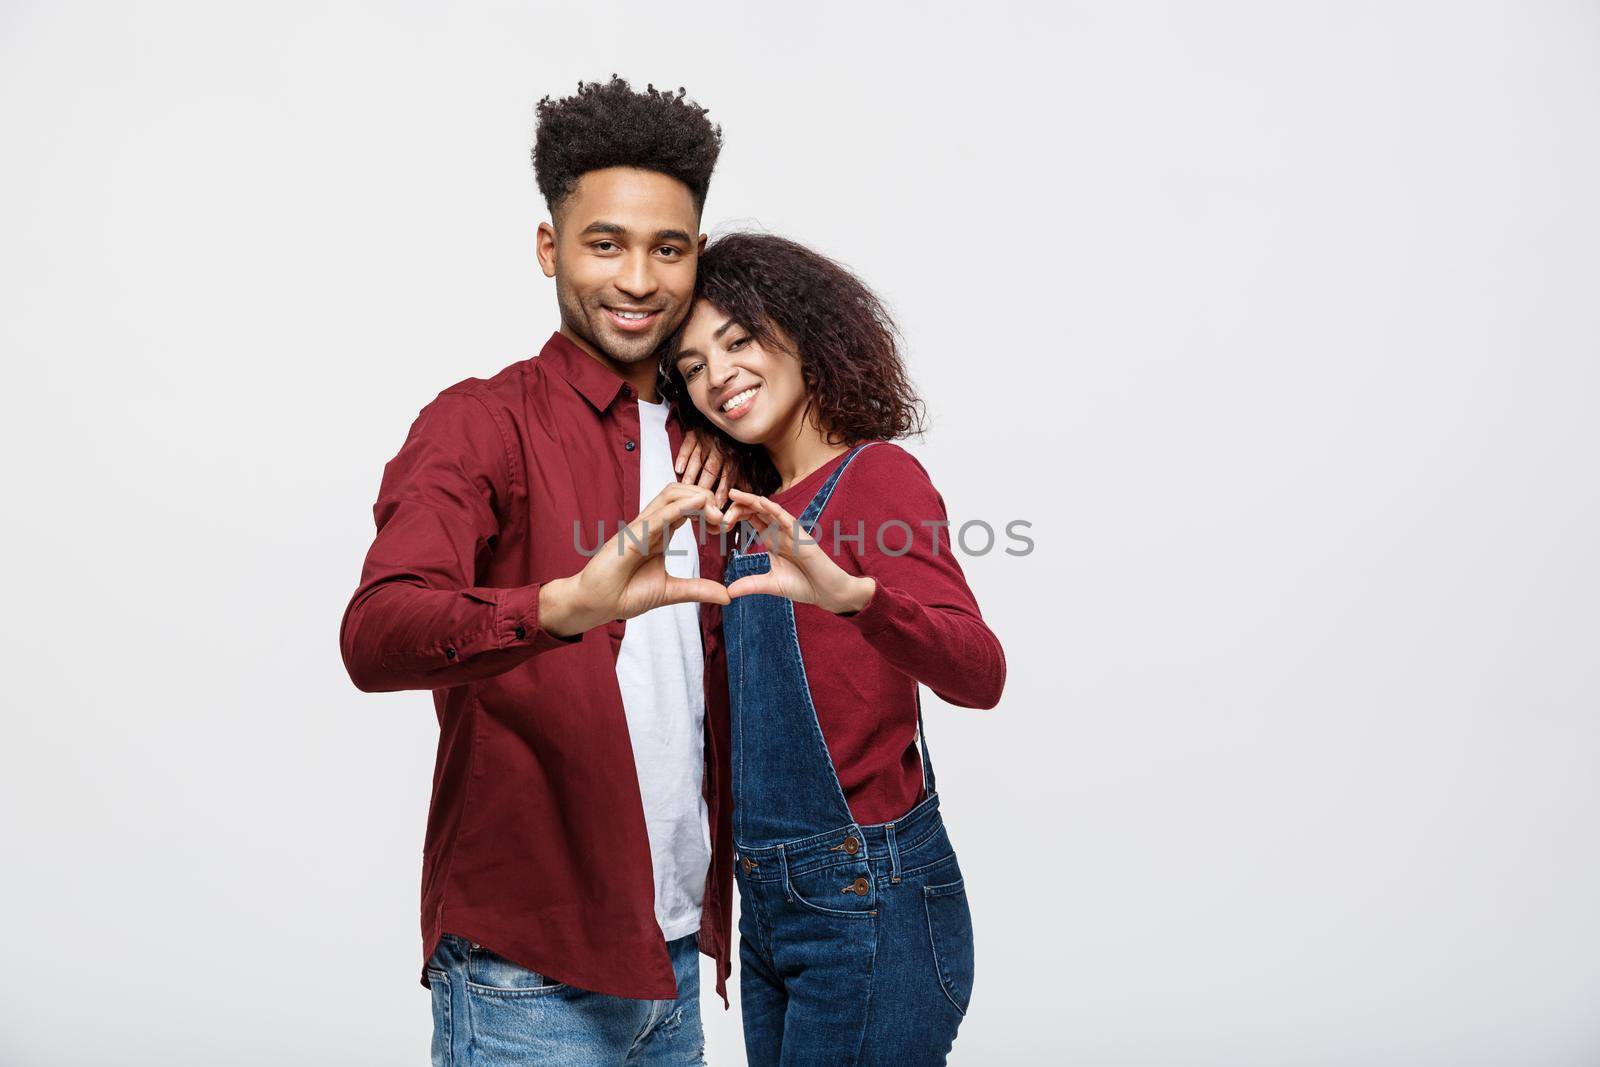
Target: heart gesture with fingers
<point x="799" y="569"/>
<point x="628" y="576"/>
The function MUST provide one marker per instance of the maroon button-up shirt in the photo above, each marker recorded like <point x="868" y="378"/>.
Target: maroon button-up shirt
<point x="536" y="845"/>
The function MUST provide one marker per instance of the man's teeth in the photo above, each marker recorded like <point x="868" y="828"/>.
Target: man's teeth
<point x="739" y="398"/>
<point x="630" y="314"/>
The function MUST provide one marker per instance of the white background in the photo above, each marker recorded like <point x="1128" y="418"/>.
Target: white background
<point x="1278" y="321"/>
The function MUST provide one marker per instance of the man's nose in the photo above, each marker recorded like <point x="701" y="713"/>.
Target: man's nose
<point x="635" y="276"/>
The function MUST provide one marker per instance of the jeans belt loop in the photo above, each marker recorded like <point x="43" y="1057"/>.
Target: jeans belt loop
<point x="894" y="853"/>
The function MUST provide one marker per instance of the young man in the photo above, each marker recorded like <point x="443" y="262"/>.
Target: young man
<point x="578" y="847"/>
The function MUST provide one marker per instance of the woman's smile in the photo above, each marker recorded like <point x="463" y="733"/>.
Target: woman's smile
<point x="738" y="405"/>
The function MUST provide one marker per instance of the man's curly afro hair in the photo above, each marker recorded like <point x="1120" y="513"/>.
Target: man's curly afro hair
<point x="607" y="124"/>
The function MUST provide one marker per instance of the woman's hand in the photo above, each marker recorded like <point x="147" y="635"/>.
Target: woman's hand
<point x="799" y="569"/>
<point x="628" y="576"/>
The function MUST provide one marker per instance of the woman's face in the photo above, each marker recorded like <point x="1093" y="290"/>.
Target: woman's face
<point x="754" y="394"/>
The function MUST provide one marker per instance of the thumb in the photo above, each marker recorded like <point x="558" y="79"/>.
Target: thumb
<point x="755" y="583"/>
<point x="695" y="590"/>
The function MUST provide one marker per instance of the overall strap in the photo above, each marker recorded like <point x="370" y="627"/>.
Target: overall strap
<point x="808" y="522"/>
<point x="928" y="785"/>
<point x="808" y="518"/>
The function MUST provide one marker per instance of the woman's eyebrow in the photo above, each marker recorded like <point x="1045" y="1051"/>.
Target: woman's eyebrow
<point x="716" y="334"/>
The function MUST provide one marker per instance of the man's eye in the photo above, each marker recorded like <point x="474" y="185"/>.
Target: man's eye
<point x="669" y="252"/>
<point x="604" y="246"/>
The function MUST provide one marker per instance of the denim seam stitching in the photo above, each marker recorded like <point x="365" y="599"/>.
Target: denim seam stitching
<point x="928" y="895"/>
<point x="793" y="649"/>
<point x="941" y="861"/>
<point x="502" y="993"/>
<point x="872" y="983"/>
<point x="448" y="993"/>
<point x="793" y="894"/>
<point x="938" y="824"/>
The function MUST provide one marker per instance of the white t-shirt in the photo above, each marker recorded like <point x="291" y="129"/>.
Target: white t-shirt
<point x="661" y="671"/>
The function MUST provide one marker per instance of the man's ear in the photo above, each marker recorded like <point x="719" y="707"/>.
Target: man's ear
<point x="700" y="249"/>
<point x="544" y="246"/>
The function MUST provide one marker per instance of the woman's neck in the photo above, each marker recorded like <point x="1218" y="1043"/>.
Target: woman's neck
<point x="797" y="454"/>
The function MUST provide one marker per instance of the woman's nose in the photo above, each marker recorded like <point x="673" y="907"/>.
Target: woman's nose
<point x="720" y="371"/>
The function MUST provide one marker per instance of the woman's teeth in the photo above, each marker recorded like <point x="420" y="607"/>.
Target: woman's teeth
<point x="739" y="399"/>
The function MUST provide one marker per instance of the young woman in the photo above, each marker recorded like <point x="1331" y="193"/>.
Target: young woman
<point x="855" y="935"/>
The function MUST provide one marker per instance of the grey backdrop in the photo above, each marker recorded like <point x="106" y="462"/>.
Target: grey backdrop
<point x="1278" y="322"/>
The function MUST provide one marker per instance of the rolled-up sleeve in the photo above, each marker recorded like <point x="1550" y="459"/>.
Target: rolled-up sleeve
<point x="418" y="619"/>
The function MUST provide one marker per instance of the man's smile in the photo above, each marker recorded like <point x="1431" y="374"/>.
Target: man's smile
<point x="632" y="320"/>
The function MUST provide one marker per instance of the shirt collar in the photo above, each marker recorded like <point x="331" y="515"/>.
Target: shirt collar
<point x="597" y="385"/>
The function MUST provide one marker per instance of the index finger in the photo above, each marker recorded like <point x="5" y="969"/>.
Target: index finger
<point x="714" y="464"/>
<point x="690" y="441"/>
<point x="792" y="538"/>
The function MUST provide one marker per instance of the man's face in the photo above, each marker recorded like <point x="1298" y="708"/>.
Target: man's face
<point x="623" y="252"/>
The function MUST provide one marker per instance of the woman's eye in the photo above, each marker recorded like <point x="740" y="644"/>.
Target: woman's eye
<point x="738" y="343"/>
<point x="691" y="372"/>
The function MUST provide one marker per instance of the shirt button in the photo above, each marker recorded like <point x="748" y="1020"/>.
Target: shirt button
<point x="521" y="633"/>
<point x="449" y="653"/>
<point x="627" y="390"/>
<point x="629" y="445"/>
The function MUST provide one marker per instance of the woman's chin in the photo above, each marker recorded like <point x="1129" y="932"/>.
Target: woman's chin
<point x="736" y="429"/>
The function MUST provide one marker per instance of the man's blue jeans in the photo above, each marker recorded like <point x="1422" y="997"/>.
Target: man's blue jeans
<point x="488" y="1011"/>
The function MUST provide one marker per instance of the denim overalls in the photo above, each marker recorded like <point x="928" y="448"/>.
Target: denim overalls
<point x="855" y="942"/>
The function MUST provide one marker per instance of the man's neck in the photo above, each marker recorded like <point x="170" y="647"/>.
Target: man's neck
<point x="641" y="375"/>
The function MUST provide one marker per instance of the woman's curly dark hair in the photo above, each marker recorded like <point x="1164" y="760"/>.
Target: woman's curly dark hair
<point x="848" y="346"/>
<point x="607" y="124"/>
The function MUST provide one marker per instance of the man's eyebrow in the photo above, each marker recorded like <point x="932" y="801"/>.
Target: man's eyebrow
<point x="617" y="229"/>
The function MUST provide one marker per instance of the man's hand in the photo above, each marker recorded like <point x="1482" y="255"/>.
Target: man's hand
<point x="701" y="463"/>
<point x="798" y="569"/>
<point x="628" y="576"/>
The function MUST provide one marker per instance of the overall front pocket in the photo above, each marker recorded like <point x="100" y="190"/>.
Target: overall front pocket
<point x="846" y="890"/>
